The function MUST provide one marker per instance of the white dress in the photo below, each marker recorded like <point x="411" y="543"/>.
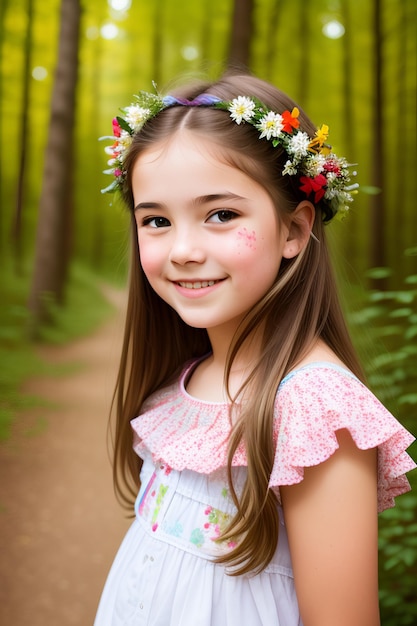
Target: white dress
<point x="163" y="574"/>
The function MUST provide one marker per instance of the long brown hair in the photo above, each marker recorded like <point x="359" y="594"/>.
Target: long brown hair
<point x="301" y="307"/>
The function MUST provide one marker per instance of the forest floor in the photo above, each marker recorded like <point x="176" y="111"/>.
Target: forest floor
<point x="60" y="525"/>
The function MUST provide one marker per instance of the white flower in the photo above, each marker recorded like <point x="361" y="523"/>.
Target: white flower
<point x="289" y="168"/>
<point x="331" y="193"/>
<point x="270" y="125"/>
<point x="298" y="144"/>
<point x="352" y="187"/>
<point x="315" y="165"/>
<point x="136" y="116"/>
<point x="241" y="109"/>
<point x="123" y="145"/>
<point x="331" y="177"/>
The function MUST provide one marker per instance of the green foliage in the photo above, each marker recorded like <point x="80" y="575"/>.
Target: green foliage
<point x="85" y="309"/>
<point x="398" y="562"/>
<point x="392" y="316"/>
<point x="161" y="41"/>
<point x="17" y="357"/>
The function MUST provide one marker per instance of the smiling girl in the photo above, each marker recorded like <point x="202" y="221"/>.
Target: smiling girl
<point x="255" y="455"/>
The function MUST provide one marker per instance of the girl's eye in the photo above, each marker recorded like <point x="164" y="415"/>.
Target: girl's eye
<point x="156" y="222"/>
<point x="222" y="216"/>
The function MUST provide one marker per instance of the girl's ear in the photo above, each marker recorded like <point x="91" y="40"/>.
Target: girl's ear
<point x="299" y="229"/>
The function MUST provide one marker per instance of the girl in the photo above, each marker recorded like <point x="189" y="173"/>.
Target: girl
<point x="260" y="457"/>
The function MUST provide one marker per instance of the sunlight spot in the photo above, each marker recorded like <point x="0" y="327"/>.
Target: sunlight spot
<point x="109" y="31"/>
<point x="333" y="29"/>
<point x="120" y="5"/>
<point x="39" y="73"/>
<point x="189" y="53"/>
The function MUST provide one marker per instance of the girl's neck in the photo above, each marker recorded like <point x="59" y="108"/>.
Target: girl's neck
<point x="207" y="381"/>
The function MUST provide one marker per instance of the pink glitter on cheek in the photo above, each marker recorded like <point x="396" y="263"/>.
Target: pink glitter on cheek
<point x="249" y="238"/>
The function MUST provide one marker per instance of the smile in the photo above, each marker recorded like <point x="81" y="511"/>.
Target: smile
<point x="198" y="284"/>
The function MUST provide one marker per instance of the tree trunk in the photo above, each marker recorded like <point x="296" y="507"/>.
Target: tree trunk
<point x="241" y="35"/>
<point x="272" y="38"/>
<point x="305" y="55"/>
<point x="206" y="31"/>
<point x="158" y="42"/>
<point x="99" y="217"/>
<point x="52" y="244"/>
<point x="348" y="116"/>
<point x="16" y="233"/>
<point x="4" y="5"/>
<point x="401" y="156"/>
<point x="378" y="209"/>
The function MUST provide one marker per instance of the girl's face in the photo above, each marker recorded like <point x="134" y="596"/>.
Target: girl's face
<point x="210" y="242"/>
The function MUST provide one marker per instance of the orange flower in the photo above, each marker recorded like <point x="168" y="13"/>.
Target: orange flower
<point x="290" y="120"/>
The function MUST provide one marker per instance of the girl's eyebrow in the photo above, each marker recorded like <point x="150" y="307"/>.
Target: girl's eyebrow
<point x="200" y="200"/>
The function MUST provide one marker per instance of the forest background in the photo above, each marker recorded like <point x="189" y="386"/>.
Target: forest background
<point x="66" y="67"/>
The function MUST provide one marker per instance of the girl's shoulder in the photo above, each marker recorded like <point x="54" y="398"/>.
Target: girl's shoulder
<point x="324" y="386"/>
<point x="320" y="398"/>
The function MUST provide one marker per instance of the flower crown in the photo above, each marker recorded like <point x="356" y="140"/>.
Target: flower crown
<point x="322" y="174"/>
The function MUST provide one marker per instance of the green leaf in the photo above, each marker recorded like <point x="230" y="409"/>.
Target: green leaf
<point x="404" y="296"/>
<point x="379" y="272"/>
<point x="370" y="190"/>
<point x="403" y="312"/>
<point x="123" y="124"/>
<point x="410" y="332"/>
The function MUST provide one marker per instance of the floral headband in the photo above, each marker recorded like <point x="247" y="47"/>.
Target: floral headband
<point x="322" y="175"/>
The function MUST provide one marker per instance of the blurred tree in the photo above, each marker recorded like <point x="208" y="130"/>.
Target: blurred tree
<point x="97" y="244"/>
<point x="241" y="34"/>
<point x="52" y="243"/>
<point x="16" y="234"/>
<point x="273" y="25"/>
<point x="378" y="208"/>
<point x="348" y="113"/>
<point x="304" y="39"/>
<point x="4" y="4"/>
<point x="348" y="81"/>
<point x="205" y="31"/>
<point x="157" y="43"/>
<point x="400" y="149"/>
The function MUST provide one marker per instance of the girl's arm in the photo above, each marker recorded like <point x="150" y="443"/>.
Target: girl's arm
<point x="331" y="519"/>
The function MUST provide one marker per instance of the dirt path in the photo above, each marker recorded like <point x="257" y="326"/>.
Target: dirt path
<point x="60" y="523"/>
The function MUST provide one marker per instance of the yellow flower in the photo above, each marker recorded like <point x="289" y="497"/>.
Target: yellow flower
<point x="319" y="138"/>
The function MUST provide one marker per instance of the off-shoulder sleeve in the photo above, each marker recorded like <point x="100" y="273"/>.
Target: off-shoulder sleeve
<point x="312" y="405"/>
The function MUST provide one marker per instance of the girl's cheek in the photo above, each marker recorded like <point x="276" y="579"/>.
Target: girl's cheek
<point x="245" y="244"/>
<point x="246" y="238"/>
<point x="148" y="259"/>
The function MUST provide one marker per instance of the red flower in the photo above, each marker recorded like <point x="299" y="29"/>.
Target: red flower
<point x="314" y="185"/>
<point x="332" y="166"/>
<point x="116" y="127"/>
<point x="290" y="120"/>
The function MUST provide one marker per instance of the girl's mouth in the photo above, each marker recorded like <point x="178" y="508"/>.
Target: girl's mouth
<point x="197" y="284"/>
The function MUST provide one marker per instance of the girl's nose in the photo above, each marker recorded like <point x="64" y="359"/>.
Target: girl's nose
<point x="186" y="248"/>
